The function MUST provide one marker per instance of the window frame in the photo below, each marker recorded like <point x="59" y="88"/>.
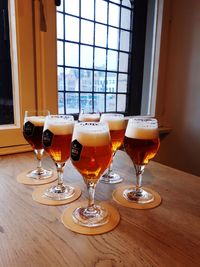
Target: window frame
<point x="134" y="89"/>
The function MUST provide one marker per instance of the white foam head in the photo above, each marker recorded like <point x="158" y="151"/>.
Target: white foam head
<point x="59" y="125"/>
<point x="142" y="128"/>
<point x="36" y="120"/>
<point x="114" y="121"/>
<point x="89" y="117"/>
<point x="91" y="134"/>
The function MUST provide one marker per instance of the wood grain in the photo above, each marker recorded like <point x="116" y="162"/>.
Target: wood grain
<point x="33" y="235"/>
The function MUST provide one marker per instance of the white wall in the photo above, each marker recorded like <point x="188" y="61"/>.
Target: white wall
<point x="178" y="101"/>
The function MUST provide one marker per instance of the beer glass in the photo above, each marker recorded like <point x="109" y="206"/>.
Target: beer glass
<point x="117" y="127"/>
<point x="91" y="153"/>
<point x="141" y="143"/>
<point x="87" y="117"/>
<point x="56" y="139"/>
<point x="32" y="131"/>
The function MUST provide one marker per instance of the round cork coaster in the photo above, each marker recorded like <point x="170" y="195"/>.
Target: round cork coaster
<point x="67" y="220"/>
<point x="38" y="196"/>
<point x="23" y="179"/>
<point x="118" y="197"/>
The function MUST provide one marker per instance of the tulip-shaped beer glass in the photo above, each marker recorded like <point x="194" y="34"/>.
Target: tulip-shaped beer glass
<point x="117" y="127"/>
<point x="57" y="137"/>
<point x="91" y="154"/>
<point x="141" y="143"/>
<point x="32" y="131"/>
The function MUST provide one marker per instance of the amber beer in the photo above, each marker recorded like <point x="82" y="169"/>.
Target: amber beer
<point x="117" y="127"/>
<point x="91" y="151"/>
<point x="33" y="129"/>
<point x="57" y="138"/>
<point x="141" y="144"/>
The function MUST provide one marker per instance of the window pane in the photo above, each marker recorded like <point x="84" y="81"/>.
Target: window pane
<point x="87" y="9"/>
<point x="71" y="54"/>
<point x="122" y="83"/>
<point x="71" y="79"/>
<point x="121" y="103"/>
<point x="126" y="3"/>
<point x="100" y="35"/>
<point x="113" y="35"/>
<point x="72" y="103"/>
<point x="123" y="62"/>
<point x="86" y="102"/>
<point x="114" y="15"/>
<point x="110" y="102"/>
<point x="61" y="103"/>
<point x="87" y="32"/>
<point x="59" y="23"/>
<point x="86" y="80"/>
<point x="86" y="56"/>
<point x="99" y="81"/>
<point x="60" y="79"/>
<point x="124" y="40"/>
<point x="125" y="18"/>
<point x="71" y="28"/>
<point x="72" y="7"/>
<point x="99" y="103"/>
<point x="112" y="60"/>
<point x="100" y="58"/>
<point x="101" y="11"/>
<point x="60" y="7"/>
<point x="111" y="82"/>
<point x="60" y="53"/>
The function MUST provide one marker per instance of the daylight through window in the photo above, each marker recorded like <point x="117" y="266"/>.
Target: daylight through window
<point x="93" y="50"/>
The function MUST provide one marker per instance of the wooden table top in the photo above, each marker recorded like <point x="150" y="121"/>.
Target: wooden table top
<point x="32" y="234"/>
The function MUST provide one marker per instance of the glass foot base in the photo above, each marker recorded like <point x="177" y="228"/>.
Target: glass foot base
<point x="90" y="217"/>
<point x="39" y="174"/>
<point x="111" y="178"/>
<point x="140" y="196"/>
<point x="59" y="192"/>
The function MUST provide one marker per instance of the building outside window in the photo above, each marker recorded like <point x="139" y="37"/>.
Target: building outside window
<point x="94" y="55"/>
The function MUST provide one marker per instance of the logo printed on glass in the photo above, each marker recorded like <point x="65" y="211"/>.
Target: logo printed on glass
<point x="47" y="138"/>
<point x="76" y="149"/>
<point x="29" y="128"/>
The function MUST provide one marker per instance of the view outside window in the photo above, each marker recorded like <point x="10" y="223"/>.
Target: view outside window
<point x="93" y="51"/>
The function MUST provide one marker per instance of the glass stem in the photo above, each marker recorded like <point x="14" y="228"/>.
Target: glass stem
<point x="139" y="172"/>
<point x="60" y="170"/>
<point x="110" y="168"/>
<point x="91" y="192"/>
<point x="39" y="154"/>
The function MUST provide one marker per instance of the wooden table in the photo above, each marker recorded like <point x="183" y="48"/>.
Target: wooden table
<point x="33" y="235"/>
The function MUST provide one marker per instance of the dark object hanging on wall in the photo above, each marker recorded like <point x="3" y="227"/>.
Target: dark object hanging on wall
<point x="57" y="2"/>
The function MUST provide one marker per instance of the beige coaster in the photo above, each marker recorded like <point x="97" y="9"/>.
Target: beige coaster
<point x="118" y="197"/>
<point x="70" y="224"/>
<point x="38" y="196"/>
<point x="23" y="179"/>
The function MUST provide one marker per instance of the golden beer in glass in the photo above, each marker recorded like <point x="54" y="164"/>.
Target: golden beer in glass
<point x="141" y="143"/>
<point x="91" y="153"/>
<point x="57" y="137"/>
<point x="117" y="126"/>
<point x="32" y="131"/>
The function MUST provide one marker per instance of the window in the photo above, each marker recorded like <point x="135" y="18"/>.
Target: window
<point x="6" y="94"/>
<point x="96" y="55"/>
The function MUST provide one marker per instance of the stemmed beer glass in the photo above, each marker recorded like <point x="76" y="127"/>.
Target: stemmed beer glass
<point x="141" y="143"/>
<point x="117" y="127"/>
<point x="91" y="154"/>
<point x="32" y="131"/>
<point x="57" y="137"/>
